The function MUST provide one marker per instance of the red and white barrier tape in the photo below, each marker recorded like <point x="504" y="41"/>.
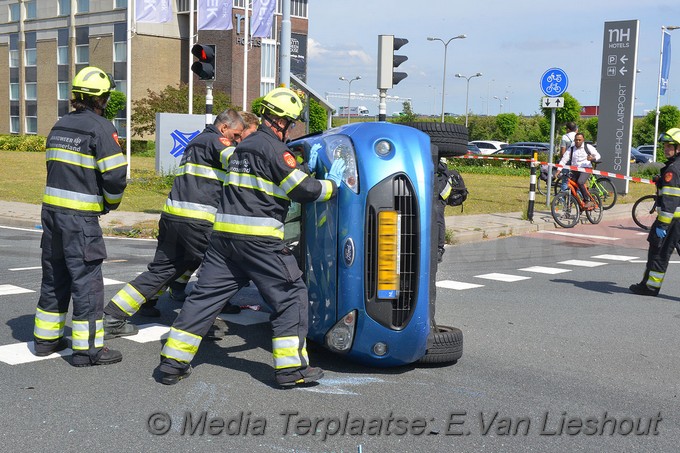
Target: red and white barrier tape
<point x="493" y="158"/>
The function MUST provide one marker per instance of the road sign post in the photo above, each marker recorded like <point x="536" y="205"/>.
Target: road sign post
<point x="554" y="82"/>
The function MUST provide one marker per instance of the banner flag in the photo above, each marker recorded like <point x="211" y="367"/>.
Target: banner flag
<point x="214" y="14"/>
<point x="153" y="11"/>
<point x="665" y="62"/>
<point x="263" y="15"/>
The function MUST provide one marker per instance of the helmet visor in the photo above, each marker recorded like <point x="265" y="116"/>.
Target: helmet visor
<point x="666" y="138"/>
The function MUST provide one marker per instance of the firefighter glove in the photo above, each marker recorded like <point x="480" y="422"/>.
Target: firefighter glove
<point x="313" y="157"/>
<point x="660" y="232"/>
<point x="336" y="171"/>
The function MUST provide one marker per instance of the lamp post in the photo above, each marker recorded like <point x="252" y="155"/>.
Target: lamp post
<point x="500" y="103"/>
<point x="658" y="88"/>
<point x="446" y="45"/>
<point x="349" y="91"/>
<point x="467" y="92"/>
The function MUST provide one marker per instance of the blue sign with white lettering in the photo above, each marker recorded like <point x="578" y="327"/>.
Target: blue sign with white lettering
<point x="554" y="82"/>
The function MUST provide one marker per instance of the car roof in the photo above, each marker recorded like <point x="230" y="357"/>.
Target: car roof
<point x="493" y="142"/>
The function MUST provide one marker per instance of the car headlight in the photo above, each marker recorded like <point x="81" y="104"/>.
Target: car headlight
<point x="340" y="146"/>
<point x="341" y="335"/>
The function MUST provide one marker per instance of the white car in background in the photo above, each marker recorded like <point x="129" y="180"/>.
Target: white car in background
<point x="488" y="146"/>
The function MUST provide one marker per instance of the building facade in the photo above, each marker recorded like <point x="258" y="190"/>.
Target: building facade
<point x="47" y="42"/>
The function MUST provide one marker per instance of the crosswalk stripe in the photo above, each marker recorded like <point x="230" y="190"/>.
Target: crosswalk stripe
<point x="109" y="281"/>
<point x="34" y="268"/>
<point x="451" y="284"/>
<point x="577" y="235"/>
<point x="614" y="257"/>
<point x="503" y="277"/>
<point x="6" y="290"/>
<point x="545" y="270"/>
<point x="18" y="353"/>
<point x="582" y="263"/>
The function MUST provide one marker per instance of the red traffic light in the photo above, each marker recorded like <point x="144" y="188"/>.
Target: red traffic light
<point x="204" y="68"/>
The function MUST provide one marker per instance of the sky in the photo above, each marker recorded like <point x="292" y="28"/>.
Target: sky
<point x="512" y="43"/>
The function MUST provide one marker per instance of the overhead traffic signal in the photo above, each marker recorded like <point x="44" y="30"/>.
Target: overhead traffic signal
<point x="204" y="68"/>
<point x="387" y="61"/>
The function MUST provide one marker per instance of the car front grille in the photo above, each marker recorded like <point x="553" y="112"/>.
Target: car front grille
<point x="397" y="194"/>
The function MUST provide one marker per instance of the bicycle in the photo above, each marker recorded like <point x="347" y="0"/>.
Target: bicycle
<point x="602" y="186"/>
<point x="644" y="211"/>
<point x="566" y="207"/>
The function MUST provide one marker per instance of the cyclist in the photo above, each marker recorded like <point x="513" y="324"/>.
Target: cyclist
<point x="581" y="155"/>
<point x="665" y="232"/>
<point x="566" y="142"/>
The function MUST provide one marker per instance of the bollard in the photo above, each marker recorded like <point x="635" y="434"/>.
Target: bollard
<point x="532" y="187"/>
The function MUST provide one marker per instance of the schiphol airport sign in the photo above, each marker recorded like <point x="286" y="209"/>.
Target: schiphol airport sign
<point x="617" y="95"/>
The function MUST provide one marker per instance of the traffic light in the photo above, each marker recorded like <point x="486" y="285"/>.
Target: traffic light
<point x="387" y="61"/>
<point x="204" y="68"/>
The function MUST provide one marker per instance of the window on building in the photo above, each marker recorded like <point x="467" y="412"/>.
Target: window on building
<point x="13" y="58"/>
<point x="31" y="57"/>
<point x="239" y="3"/>
<point x="83" y="54"/>
<point x="120" y="4"/>
<point x="62" y="91"/>
<point x="31" y="10"/>
<point x="64" y="8"/>
<point x="14" y="124"/>
<point x="121" y="85"/>
<point x="13" y="91"/>
<point x="120" y="123"/>
<point x="31" y="92"/>
<point x="14" y="12"/>
<point x="31" y="125"/>
<point x="62" y="55"/>
<point x="268" y="66"/>
<point x="119" y="52"/>
<point x="298" y="8"/>
<point x="82" y="6"/>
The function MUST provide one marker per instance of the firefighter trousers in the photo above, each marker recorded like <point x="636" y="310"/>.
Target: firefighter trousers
<point x="180" y="248"/>
<point x="659" y="253"/>
<point x="228" y="266"/>
<point x="73" y="250"/>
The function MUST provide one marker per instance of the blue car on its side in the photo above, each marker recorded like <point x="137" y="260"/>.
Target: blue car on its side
<point x="368" y="254"/>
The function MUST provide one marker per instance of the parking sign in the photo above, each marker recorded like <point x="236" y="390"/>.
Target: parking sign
<point x="554" y="82"/>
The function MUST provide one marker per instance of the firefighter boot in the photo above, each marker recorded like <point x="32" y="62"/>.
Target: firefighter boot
<point x="298" y="376"/>
<point x="174" y="378"/>
<point x="117" y="327"/>
<point x="643" y="290"/>
<point x="45" y="348"/>
<point x="149" y="309"/>
<point x="105" y="356"/>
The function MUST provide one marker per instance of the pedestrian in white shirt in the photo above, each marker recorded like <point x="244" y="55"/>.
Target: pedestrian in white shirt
<point x="581" y="155"/>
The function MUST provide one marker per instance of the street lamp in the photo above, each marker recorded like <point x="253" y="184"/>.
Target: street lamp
<point x="446" y="45"/>
<point x="467" y="92"/>
<point x="500" y="102"/>
<point x="658" y="88"/>
<point x="349" y="91"/>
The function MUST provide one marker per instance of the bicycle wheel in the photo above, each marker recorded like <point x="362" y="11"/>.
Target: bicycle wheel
<point x="644" y="211"/>
<point x="607" y="192"/>
<point x="595" y="215"/>
<point x="565" y="210"/>
<point x="541" y="186"/>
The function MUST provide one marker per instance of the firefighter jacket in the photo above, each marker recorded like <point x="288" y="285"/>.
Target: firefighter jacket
<point x="86" y="168"/>
<point x="262" y="178"/>
<point x="197" y="188"/>
<point x="668" y="186"/>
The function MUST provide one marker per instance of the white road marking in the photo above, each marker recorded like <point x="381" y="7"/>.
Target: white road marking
<point x="452" y="284"/>
<point x="246" y="317"/>
<point x="6" y="290"/>
<point x="582" y="263"/>
<point x="615" y="257"/>
<point x="577" y="235"/>
<point x="545" y="270"/>
<point x="502" y="277"/>
<point x="25" y="268"/>
<point x="150" y="332"/>
<point x="18" y="353"/>
<point x="108" y="281"/>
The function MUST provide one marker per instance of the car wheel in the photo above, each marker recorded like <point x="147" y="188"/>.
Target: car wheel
<point x="451" y="139"/>
<point x="446" y="346"/>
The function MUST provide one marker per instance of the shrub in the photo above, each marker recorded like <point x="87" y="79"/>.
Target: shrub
<point x="24" y="143"/>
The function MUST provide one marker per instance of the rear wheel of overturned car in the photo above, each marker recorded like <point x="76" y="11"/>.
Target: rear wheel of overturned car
<point x="446" y="346"/>
<point x="451" y="139"/>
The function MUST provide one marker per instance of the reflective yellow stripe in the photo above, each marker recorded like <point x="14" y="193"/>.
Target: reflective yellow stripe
<point x="111" y="162"/>
<point x="655" y="279"/>
<point x="445" y="192"/>
<point x="113" y="198"/>
<point x="326" y="190"/>
<point x="70" y="157"/>
<point x="285" y="352"/>
<point x="247" y="181"/>
<point x="670" y="191"/>
<point x="190" y="210"/>
<point x="128" y="299"/>
<point x="99" y="334"/>
<point x="293" y="179"/>
<point x="73" y="200"/>
<point x="225" y="154"/>
<point x="664" y="217"/>
<point x="202" y="171"/>
<point x="81" y="334"/>
<point x="250" y="226"/>
<point x="49" y="325"/>
<point x="181" y="346"/>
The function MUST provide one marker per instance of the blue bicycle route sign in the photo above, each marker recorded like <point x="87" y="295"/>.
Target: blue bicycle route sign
<point x="554" y="82"/>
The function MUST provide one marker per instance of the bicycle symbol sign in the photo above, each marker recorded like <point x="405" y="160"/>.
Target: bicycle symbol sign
<point x="554" y="82"/>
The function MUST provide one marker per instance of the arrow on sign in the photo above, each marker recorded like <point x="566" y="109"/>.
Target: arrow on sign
<point x="623" y="70"/>
<point x="557" y="102"/>
<point x="624" y="59"/>
<point x="547" y="102"/>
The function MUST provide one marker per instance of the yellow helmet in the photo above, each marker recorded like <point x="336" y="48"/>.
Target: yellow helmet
<point x="92" y="81"/>
<point x="670" y="136"/>
<point x="283" y="103"/>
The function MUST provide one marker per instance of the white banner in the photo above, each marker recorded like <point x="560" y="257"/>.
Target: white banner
<point x="214" y="14"/>
<point x="263" y="15"/>
<point x="153" y="11"/>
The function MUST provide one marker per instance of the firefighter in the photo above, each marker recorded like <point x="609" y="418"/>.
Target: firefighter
<point x="664" y="235"/>
<point x="247" y="245"/>
<point x="86" y="177"/>
<point x="185" y="224"/>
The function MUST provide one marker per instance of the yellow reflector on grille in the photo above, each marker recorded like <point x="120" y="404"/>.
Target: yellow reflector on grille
<point x="389" y="228"/>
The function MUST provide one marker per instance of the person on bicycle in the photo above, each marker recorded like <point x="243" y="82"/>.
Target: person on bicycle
<point x="665" y="232"/>
<point x="581" y="155"/>
<point x="566" y="142"/>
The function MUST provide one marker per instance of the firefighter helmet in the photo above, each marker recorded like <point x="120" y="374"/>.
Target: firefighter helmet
<point x="671" y="136"/>
<point x="92" y="81"/>
<point x="283" y="103"/>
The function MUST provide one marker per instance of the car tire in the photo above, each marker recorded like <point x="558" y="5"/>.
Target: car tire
<point x="446" y="346"/>
<point x="451" y="139"/>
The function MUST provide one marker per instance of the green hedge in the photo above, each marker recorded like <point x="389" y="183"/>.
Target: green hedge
<point x="23" y="143"/>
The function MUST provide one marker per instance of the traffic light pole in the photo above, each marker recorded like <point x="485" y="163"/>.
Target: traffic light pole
<point x="382" y="106"/>
<point x="208" y="102"/>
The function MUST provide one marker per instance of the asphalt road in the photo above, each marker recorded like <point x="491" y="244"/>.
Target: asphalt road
<point x="558" y="355"/>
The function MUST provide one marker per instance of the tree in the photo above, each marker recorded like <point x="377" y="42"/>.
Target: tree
<point x="317" y="117"/>
<point x="407" y="115"/>
<point x="570" y="111"/>
<point x="116" y="103"/>
<point x="669" y="117"/>
<point x="172" y="100"/>
<point x="507" y="124"/>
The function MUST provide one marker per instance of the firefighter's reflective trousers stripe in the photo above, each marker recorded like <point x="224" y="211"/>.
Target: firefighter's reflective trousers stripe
<point x="180" y="250"/>
<point x="228" y="266"/>
<point x="659" y="253"/>
<point x="72" y="253"/>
